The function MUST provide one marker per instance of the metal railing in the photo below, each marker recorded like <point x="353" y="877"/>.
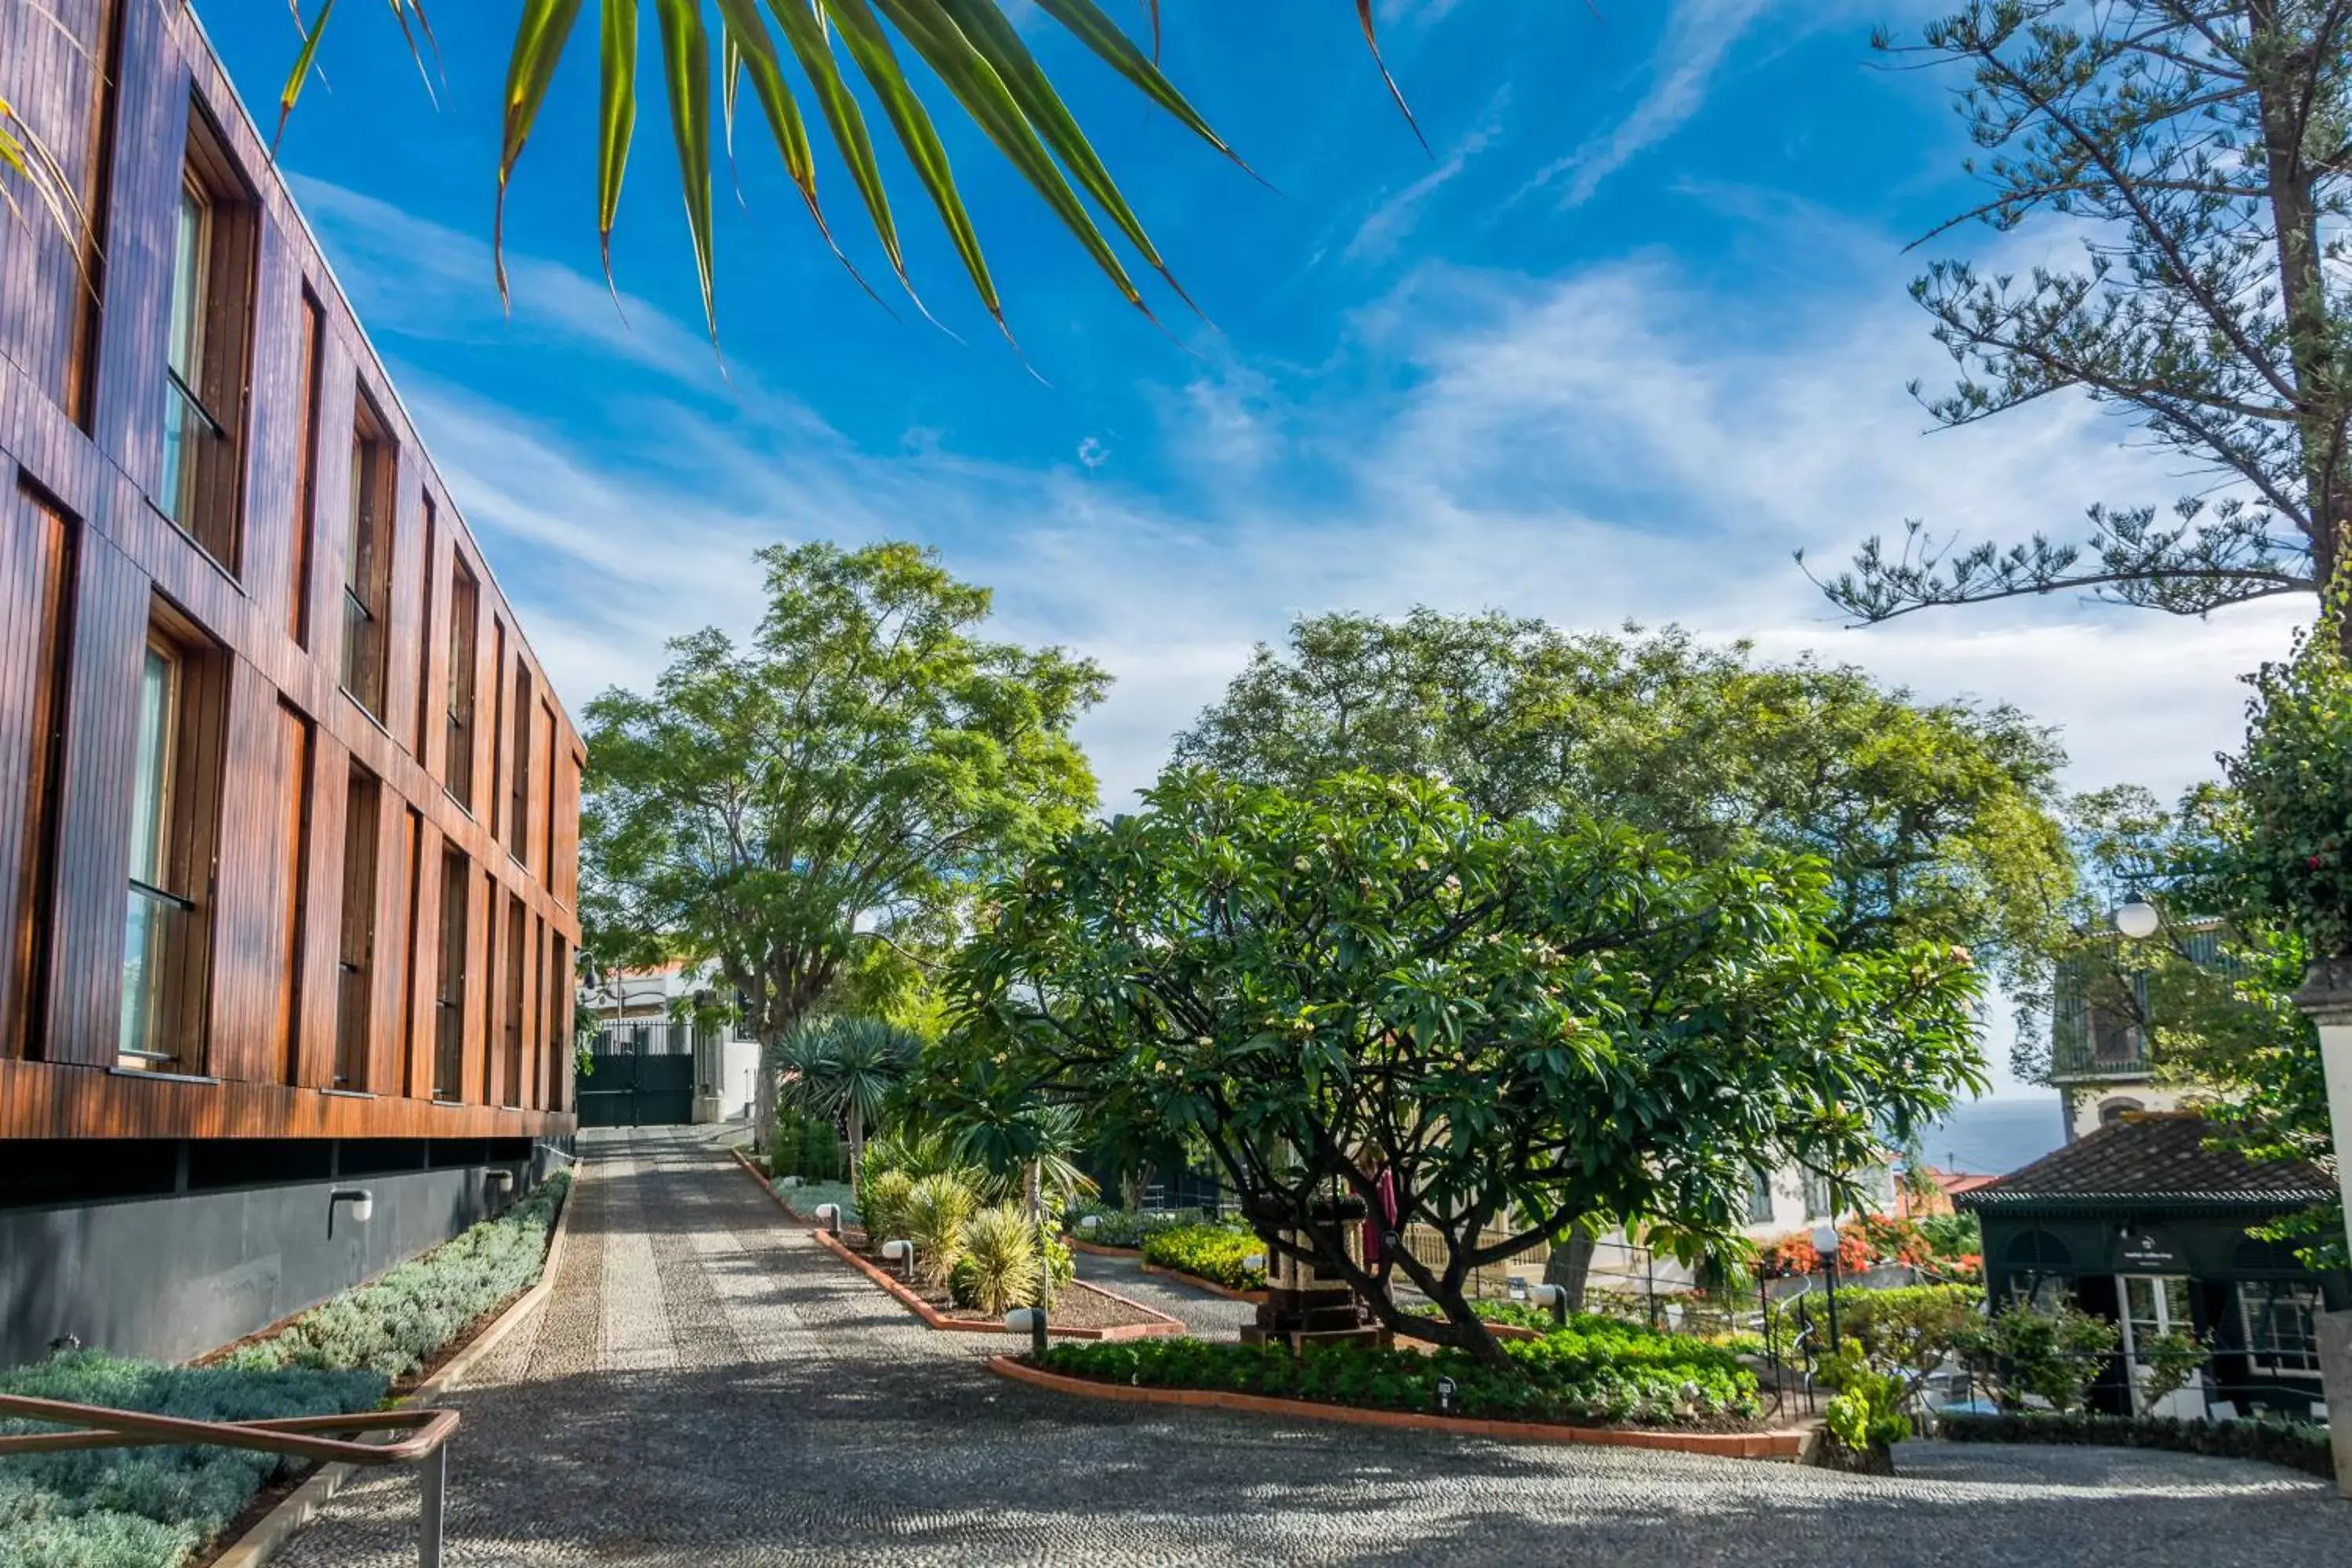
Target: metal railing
<point x="296" y="1436"/>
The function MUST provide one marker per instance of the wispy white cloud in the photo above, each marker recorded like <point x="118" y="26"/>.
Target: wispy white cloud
<point x="1616" y="442"/>
<point x="1699" y="35"/>
<point x="1393" y="221"/>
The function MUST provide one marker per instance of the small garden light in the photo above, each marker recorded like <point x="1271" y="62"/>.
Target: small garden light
<point x="900" y="1251"/>
<point x="1031" y="1321"/>
<point x="1090" y="1221"/>
<point x="790" y="1181"/>
<point x="829" y="1217"/>
<point x="1255" y="1260"/>
<point x="362" y="1202"/>
<point x="1825" y="1242"/>
<point x="1552" y="1295"/>
<point x="1446" y="1390"/>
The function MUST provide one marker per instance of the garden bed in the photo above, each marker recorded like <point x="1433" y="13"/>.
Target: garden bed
<point x="803" y="1202"/>
<point x="1197" y="1283"/>
<point x="162" y="1507"/>
<point x="1364" y="1388"/>
<point x="2298" y="1445"/>
<point x="1080" y="1311"/>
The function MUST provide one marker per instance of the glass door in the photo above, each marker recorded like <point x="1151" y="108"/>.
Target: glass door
<point x="2155" y="1305"/>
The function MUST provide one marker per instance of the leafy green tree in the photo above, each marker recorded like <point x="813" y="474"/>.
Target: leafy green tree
<point x="840" y="781"/>
<point x="1520" y="1022"/>
<point x="2203" y="150"/>
<point x="1935" y="820"/>
<point x="2212" y="993"/>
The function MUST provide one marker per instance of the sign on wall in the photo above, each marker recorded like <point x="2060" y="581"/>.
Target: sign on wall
<point x="2149" y="1249"/>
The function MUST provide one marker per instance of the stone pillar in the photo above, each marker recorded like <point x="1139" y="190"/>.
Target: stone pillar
<point x="2327" y="999"/>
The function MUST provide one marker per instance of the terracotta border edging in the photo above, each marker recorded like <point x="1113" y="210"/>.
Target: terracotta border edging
<point x="269" y="1534"/>
<point x="1720" y="1445"/>
<point x="1098" y="1250"/>
<point x="933" y="1316"/>
<point x="1256" y="1298"/>
<point x="766" y="1185"/>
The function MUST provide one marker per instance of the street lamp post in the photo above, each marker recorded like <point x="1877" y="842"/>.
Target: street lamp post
<point x="1825" y="1242"/>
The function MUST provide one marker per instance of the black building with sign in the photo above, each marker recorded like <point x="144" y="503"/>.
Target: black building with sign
<point x="2143" y="1224"/>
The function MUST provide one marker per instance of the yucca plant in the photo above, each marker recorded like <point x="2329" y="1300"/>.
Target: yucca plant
<point x="937" y="1209"/>
<point x="848" y="1065"/>
<point x="972" y="46"/>
<point x="998" y="1271"/>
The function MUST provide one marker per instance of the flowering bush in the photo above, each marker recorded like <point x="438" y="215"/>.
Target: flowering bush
<point x="1788" y="1255"/>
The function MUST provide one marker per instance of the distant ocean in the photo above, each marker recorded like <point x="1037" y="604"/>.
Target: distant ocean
<point x="1994" y="1137"/>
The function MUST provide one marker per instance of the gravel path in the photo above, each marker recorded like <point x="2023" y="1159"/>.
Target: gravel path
<point x="704" y="1389"/>
<point x="1203" y="1312"/>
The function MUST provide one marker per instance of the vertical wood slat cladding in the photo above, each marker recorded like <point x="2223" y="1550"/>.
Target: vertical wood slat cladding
<point x="269" y="761"/>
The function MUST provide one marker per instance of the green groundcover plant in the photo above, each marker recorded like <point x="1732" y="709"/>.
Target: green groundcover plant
<point x="157" y="1508"/>
<point x="1527" y="1315"/>
<point x="1218" y="1253"/>
<point x="1625" y="1376"/>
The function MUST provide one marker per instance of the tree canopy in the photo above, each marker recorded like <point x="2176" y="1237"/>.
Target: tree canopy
<point x="2203" y="150"/>
<point x="1522" y="1022"/>
<point x="1935" y="820"/>
<point x="841" y="781"/>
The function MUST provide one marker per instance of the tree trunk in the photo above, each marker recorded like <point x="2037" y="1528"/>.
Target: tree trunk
<point x="1470" y="1332"/>
<point x="856" y="1148"/>
<point x="1571" y="1263"/>
<point x="763" y="1101"/>
<point x="1037" y="1219"/>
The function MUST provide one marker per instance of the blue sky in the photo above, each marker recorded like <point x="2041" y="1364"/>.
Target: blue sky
<point x="1632" y="332"/>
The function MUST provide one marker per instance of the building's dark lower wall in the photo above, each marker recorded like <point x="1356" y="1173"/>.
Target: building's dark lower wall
<point x="173" y="1277"/>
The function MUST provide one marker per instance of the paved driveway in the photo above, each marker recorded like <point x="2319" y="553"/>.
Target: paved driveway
<point x="706" y="1388"/>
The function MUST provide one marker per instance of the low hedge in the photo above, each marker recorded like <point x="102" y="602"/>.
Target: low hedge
<point x="1122" y="1227"/>
<point x="1585" y="1384"/>
<point x="2302" y="1446"/>
<point x="156" y="1508"/>
<point x="1212" y="1252"/>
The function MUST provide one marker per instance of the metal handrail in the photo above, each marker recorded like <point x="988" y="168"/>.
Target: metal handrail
<point x="98" y="1426"/>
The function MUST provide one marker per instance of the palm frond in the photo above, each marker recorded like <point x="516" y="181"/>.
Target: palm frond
<point x="969" y="46"/>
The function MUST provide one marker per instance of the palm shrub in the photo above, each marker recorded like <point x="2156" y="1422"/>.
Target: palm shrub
<point x="998" y="1271"/>
<point x="937" y="1208"/>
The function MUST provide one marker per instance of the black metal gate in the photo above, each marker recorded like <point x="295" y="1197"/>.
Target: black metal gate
<point x="643" y="1077"/>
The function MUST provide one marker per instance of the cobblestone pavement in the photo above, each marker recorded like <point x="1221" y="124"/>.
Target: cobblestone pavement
<point x="706" y="1388"/>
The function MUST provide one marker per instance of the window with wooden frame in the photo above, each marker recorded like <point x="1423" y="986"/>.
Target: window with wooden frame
<point x="449" y="987"/>
<point x="367" y="562"/>
<point x="355" y="964"/>
<point x="425" y="629"/>
<point x="411" y="841"/>
<point x="201" y="488"/>
<point x="490" y="984"/>
<point x="497" y="726"/>
<point x="547" y="773"/>
<point x="518" y="772"/>
<point x="465" y="629"/>
<point x="174" y="787"/>
<point x="301" y="744"/>
<point x="38" y="554"/>
<point x="518" y="993"/>
<point x="306" y="499"/>
<point x="554" y="1023"/>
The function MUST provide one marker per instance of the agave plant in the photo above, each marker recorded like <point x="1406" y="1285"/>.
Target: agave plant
<point x="998" y="1271"/>
<point x="970" y="46"/>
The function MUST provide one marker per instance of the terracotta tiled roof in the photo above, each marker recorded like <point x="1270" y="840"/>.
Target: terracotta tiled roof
<point x="2154" y="1160"/>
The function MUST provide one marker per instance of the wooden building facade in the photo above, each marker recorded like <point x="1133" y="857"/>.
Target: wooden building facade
<point x="287" y="810"/>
